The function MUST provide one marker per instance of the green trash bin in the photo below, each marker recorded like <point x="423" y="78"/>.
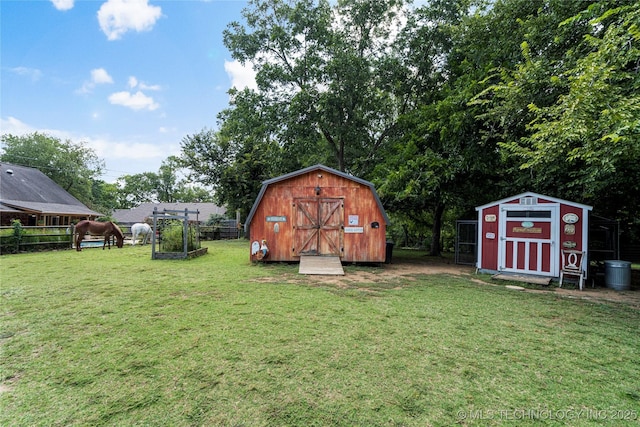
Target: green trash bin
<point x="617" y="274"/>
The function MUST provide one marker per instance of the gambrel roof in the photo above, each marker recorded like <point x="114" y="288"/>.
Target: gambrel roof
<point x="320" y="168"/>
<point x="537" y="196"/>
<point x="24" y="189"/>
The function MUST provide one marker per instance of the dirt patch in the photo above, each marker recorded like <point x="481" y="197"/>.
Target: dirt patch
<point x="405" y="270"/>
<point x="630" y="297"/>
<point x="8" y="384"/>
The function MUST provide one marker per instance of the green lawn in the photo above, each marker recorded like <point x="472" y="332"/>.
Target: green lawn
<point x="115" y="338"/>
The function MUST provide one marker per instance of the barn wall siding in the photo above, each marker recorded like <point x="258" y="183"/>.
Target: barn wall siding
<point x="276" y="216"/>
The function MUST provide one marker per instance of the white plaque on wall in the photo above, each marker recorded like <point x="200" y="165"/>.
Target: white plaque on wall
<point x="354" y="230"/>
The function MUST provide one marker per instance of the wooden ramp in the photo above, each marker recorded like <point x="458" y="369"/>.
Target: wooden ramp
<point x="523" y="278"/>
<point x="327" y="265"/>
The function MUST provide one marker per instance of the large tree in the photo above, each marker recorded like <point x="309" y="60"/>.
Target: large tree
<point x="165" y="186"/>
<point x="244" y="152"/>
<point x="105" y="196"/>
<point x="368" y="87"/>
<point x="327" y="93"/>
<point x="444" y="107"/>
<point x="138" y="188"/>
<point x="319" y="66"/>
<point x="579" y="108"/>
<point x="565" y="100"/>
<point x="438" y="161"/>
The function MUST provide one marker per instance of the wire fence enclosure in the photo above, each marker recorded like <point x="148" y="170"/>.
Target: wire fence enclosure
<point x="176" y="236"/>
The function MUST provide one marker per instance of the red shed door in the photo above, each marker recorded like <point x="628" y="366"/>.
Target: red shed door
<point x="318" y="225"/>
<point x="527" y="236"/>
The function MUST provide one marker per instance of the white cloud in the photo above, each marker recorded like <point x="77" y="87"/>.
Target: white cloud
<point x="117" y="17"/>
<point x="15" y="127"/>
<point x="63" y="4"/>
<point x="34" y="73"/>
<point x="145" y="86"/>
<point x="121" y="157"/>
<point x="99" y="76"/>
<point x="135" y="101"/>
<point x="130" y="156"/>
<point x="126" y="150"/>
<point x="241" y="76"/>
<point x="133" y="82"/>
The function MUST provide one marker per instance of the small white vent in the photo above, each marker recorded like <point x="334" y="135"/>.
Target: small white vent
<point x="528" y="201"/>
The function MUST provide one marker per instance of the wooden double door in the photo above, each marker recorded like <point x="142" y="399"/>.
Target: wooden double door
<point x="318" y="226"/>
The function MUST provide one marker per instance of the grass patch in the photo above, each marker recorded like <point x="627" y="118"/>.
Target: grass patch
<point x="115" y="338"/>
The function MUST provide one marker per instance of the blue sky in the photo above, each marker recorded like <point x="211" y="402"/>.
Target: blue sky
<point x="128" y="78"/>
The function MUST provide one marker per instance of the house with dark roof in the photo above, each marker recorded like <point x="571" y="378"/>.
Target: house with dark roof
<point x="28" y="195"/>
<point x="144" y="211"/>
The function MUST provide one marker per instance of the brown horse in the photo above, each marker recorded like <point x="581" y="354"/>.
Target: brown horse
<point x="106" y="229"/>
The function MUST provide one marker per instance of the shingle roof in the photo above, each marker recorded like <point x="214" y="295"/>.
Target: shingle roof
<point x="531" y="194"/>
<point x="317" y="167"/>
<point x="145" y="210"/>
<point x="27" y="189"/>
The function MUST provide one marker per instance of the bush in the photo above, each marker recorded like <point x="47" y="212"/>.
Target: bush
<point x="173" y="240"/>
<point x="10" y="238"/>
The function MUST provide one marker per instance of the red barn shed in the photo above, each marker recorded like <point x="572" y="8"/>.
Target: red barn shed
<point x="530" y="233"/>
<point x="318" y="211"/>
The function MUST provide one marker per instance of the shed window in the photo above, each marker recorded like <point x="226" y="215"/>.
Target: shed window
<point x="528" y="214"/>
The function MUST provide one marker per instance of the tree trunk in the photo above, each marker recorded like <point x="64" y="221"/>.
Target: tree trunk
<point x="405" y="236"/>
<point x="436" y="231"/>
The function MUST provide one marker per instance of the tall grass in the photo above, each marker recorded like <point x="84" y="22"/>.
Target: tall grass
<point x="115" y="338"/>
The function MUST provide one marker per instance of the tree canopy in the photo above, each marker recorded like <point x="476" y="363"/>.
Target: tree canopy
<point x="577" y="103"/>
<point x="164" y="186"/>
<point x="443" y="106"/>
